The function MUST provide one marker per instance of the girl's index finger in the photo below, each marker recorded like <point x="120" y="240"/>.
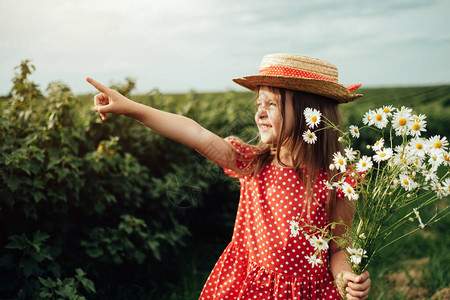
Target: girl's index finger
<point x="100" y="87"/>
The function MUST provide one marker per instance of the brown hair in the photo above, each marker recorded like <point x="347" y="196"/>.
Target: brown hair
<point x="307" y="159"/>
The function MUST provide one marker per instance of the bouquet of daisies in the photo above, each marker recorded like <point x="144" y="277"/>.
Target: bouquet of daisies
<point x="402" y="171"/>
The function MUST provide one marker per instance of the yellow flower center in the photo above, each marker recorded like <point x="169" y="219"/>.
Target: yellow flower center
<point x="446" y="157"/>
<point x="364" y="164"/>
<point x="383" y="154"/>
<point x="402" y="122"/>
<point x="416" y="119"/>
<point x="310" y="135"/>
<point x="319" y="242"/>
<point x="437" y="144"/>
<point x="314" y="118"/>
<point x="416" y="126"/>
<point x="349" y="190"/>
<point x="340" y="161"/>
<point x="419" y="146"/>
<point x="386" y="110"/>
<point x="355" y="130"/>
<point x="378" y="117"/>
<point x="405" y="181"/>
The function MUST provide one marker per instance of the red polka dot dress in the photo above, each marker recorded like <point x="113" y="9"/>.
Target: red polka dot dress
<point x="263" y="260"/>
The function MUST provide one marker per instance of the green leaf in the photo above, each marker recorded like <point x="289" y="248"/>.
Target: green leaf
<point x="67" y="291"/>
<point x="88" y="284"/>
<point x="28" y="266"/>
<point x="80" y="272"/>
<point x="45" y="294"/>
<point x="139" y="256"/>
<point x="13" y="183"/>
<point x="110" y="198"/>
<point x="38" y="183"/>
<point x="47" y="282"/>
<point x="94" y="252"/>
<point x="18" y="242"/>
<point x="38" y="239"/>
<point x="38" y="196"/>
<point x="154" y="246"/>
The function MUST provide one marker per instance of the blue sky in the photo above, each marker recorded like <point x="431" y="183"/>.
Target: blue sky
<point x="176" y="46"/>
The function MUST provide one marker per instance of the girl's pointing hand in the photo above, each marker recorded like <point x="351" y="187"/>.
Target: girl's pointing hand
<point x="108" y="100"/>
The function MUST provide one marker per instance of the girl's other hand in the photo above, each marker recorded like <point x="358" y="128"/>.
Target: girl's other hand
<point x="357" y="286"/>
<point x="108" y="100"/>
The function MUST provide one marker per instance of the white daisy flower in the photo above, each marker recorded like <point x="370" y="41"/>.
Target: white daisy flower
<point x="356" y="255"/>
<point x="368" y="117"/>
<point x="418" y="125"/>
<point x="348" y="191"/>
<point x="401" y="121"/>
<point x="436" y="159"/>
<point x="328" y="185"/>
<point x="378" y="145"/>
<point x="388" y="110"/>
<point x="312" y="117"/>
<point x="430" y="175"/>
<point x="438" y="189"/>
<point x="407" y="182"/>
<point x="318" y="243"/>
<point x="446" y="161"/>
<point x="382" y="155"/>
<point x="339" y="184"/>
<point x="314" y="260"/>
<point x="437" y="144"/>
<point x="351" y="251"/>
<point x="350" y="153"/>
<point x="364" y="164"/>
<point x="380" y="119"/>
<point x="340" y="162"/>
<point x="399" y="149"/>
<point x="418" y="146"/>
<point x="294" y="227"/>
<point x="354" y="131"/>
<point x="309" y="137"/>
<point x="446" y="187"/>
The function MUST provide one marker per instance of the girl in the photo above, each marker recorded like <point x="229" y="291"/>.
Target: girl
<point x="283" y="178"/>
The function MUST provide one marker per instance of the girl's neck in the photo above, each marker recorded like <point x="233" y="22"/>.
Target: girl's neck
<point x="286" y="159"/>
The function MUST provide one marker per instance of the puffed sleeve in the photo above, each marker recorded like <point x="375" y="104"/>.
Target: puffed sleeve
<point x="244" y="156"/>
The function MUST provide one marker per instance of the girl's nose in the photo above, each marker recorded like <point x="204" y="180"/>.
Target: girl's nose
<point x="261" y="112"/>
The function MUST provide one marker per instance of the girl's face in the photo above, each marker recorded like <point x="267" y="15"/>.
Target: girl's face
<point x="268" y="116"/>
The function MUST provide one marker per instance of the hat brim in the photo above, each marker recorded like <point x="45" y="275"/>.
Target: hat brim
<point x="315" y="86"/>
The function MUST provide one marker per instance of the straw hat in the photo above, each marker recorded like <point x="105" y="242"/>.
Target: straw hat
<point x="301" y="73"/>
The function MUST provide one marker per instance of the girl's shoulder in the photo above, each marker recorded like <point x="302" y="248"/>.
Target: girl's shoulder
<point x="244" y="156"/>
<point x="242" y="147"/>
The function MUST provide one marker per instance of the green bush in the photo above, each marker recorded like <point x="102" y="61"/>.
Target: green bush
<point x="87" y="203"/>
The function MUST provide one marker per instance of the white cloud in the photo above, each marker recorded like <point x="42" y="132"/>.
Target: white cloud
<point x="202" y="44"/>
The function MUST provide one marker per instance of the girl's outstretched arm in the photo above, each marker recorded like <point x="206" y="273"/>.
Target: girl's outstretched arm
<point x="172" y="126"/>
<point x="349" y="284"/>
